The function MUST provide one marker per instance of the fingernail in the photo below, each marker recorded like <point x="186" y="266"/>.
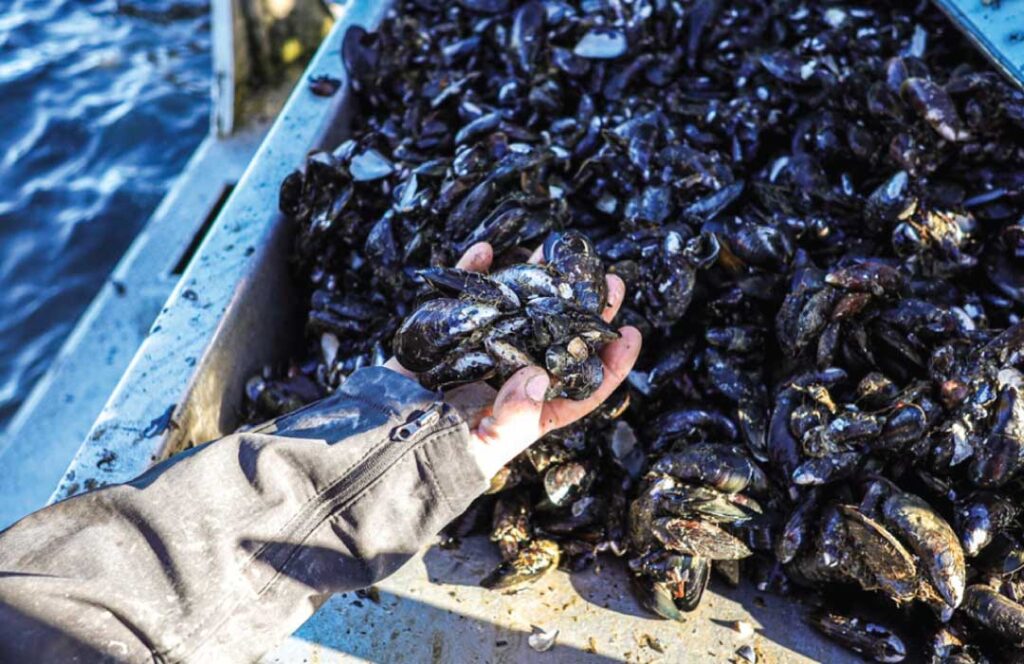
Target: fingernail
<point x="486" y="429"/>
<point x="537" y="387"/>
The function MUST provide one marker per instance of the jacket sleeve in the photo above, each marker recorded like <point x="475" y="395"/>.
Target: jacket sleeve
<point x="218" y="553"/>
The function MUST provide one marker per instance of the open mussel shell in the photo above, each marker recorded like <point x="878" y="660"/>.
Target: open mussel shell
<point x="698" y="538"/>
<point x="670" y="584"/>
<point x="531" y="562"/>
<point x="888" y="565"/>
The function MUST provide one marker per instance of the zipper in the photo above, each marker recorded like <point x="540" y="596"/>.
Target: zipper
<point x="358" y="479"/>
<point x="372" y="466"/>
<point x="404" y="438"/>
<point x="412" y="428"/>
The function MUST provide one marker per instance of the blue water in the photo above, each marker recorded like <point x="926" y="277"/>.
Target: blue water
<point x="101" y="104"/>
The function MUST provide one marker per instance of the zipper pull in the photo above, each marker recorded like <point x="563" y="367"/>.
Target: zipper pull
<point x="427" y="418"/>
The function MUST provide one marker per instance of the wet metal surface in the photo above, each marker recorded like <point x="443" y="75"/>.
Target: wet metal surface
<point x="433" y="610"/>
<point x="996" y="27"/>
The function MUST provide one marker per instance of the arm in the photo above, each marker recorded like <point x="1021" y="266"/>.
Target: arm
<point x="222" y="551"/>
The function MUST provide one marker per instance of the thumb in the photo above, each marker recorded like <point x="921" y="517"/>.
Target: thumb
<point x="515" y="420"/>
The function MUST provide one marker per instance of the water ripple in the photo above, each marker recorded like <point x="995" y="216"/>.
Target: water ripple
<point x="102" y="103"/>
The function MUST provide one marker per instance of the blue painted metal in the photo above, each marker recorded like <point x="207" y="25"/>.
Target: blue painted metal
<point x="996" y="28"/>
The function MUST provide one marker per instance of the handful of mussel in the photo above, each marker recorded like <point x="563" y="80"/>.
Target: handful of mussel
<point x="490" y="326"/>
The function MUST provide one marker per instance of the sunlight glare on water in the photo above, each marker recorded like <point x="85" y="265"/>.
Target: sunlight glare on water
<point x="102" y="102"/>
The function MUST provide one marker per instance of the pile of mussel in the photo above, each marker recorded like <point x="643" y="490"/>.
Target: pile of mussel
<point x="816" y="209"/>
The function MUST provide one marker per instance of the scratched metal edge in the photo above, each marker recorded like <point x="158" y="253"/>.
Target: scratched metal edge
<point x="977" y="27"/>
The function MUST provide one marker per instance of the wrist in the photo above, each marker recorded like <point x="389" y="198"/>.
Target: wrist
<point x="486" y="454"/>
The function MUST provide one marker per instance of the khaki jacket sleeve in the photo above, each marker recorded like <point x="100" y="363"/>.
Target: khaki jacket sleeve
<point x="219" y="553"/>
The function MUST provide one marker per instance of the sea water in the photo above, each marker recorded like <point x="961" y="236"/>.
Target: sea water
<point x="101" y="104"/>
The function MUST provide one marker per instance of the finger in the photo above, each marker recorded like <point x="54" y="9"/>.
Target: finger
<point x="618" y="358"/>
<point x="518" y="404"/>
<point x="616" y="294"/>
<point x="537" y="256"/>
<point x="474" y="401"/>
<point x="477" y="258"/>
<point x="515" y="420"/>
<point x="395" y="366"/>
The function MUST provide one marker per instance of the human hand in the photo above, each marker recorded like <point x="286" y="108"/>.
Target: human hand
<point x="506" y="422"/>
